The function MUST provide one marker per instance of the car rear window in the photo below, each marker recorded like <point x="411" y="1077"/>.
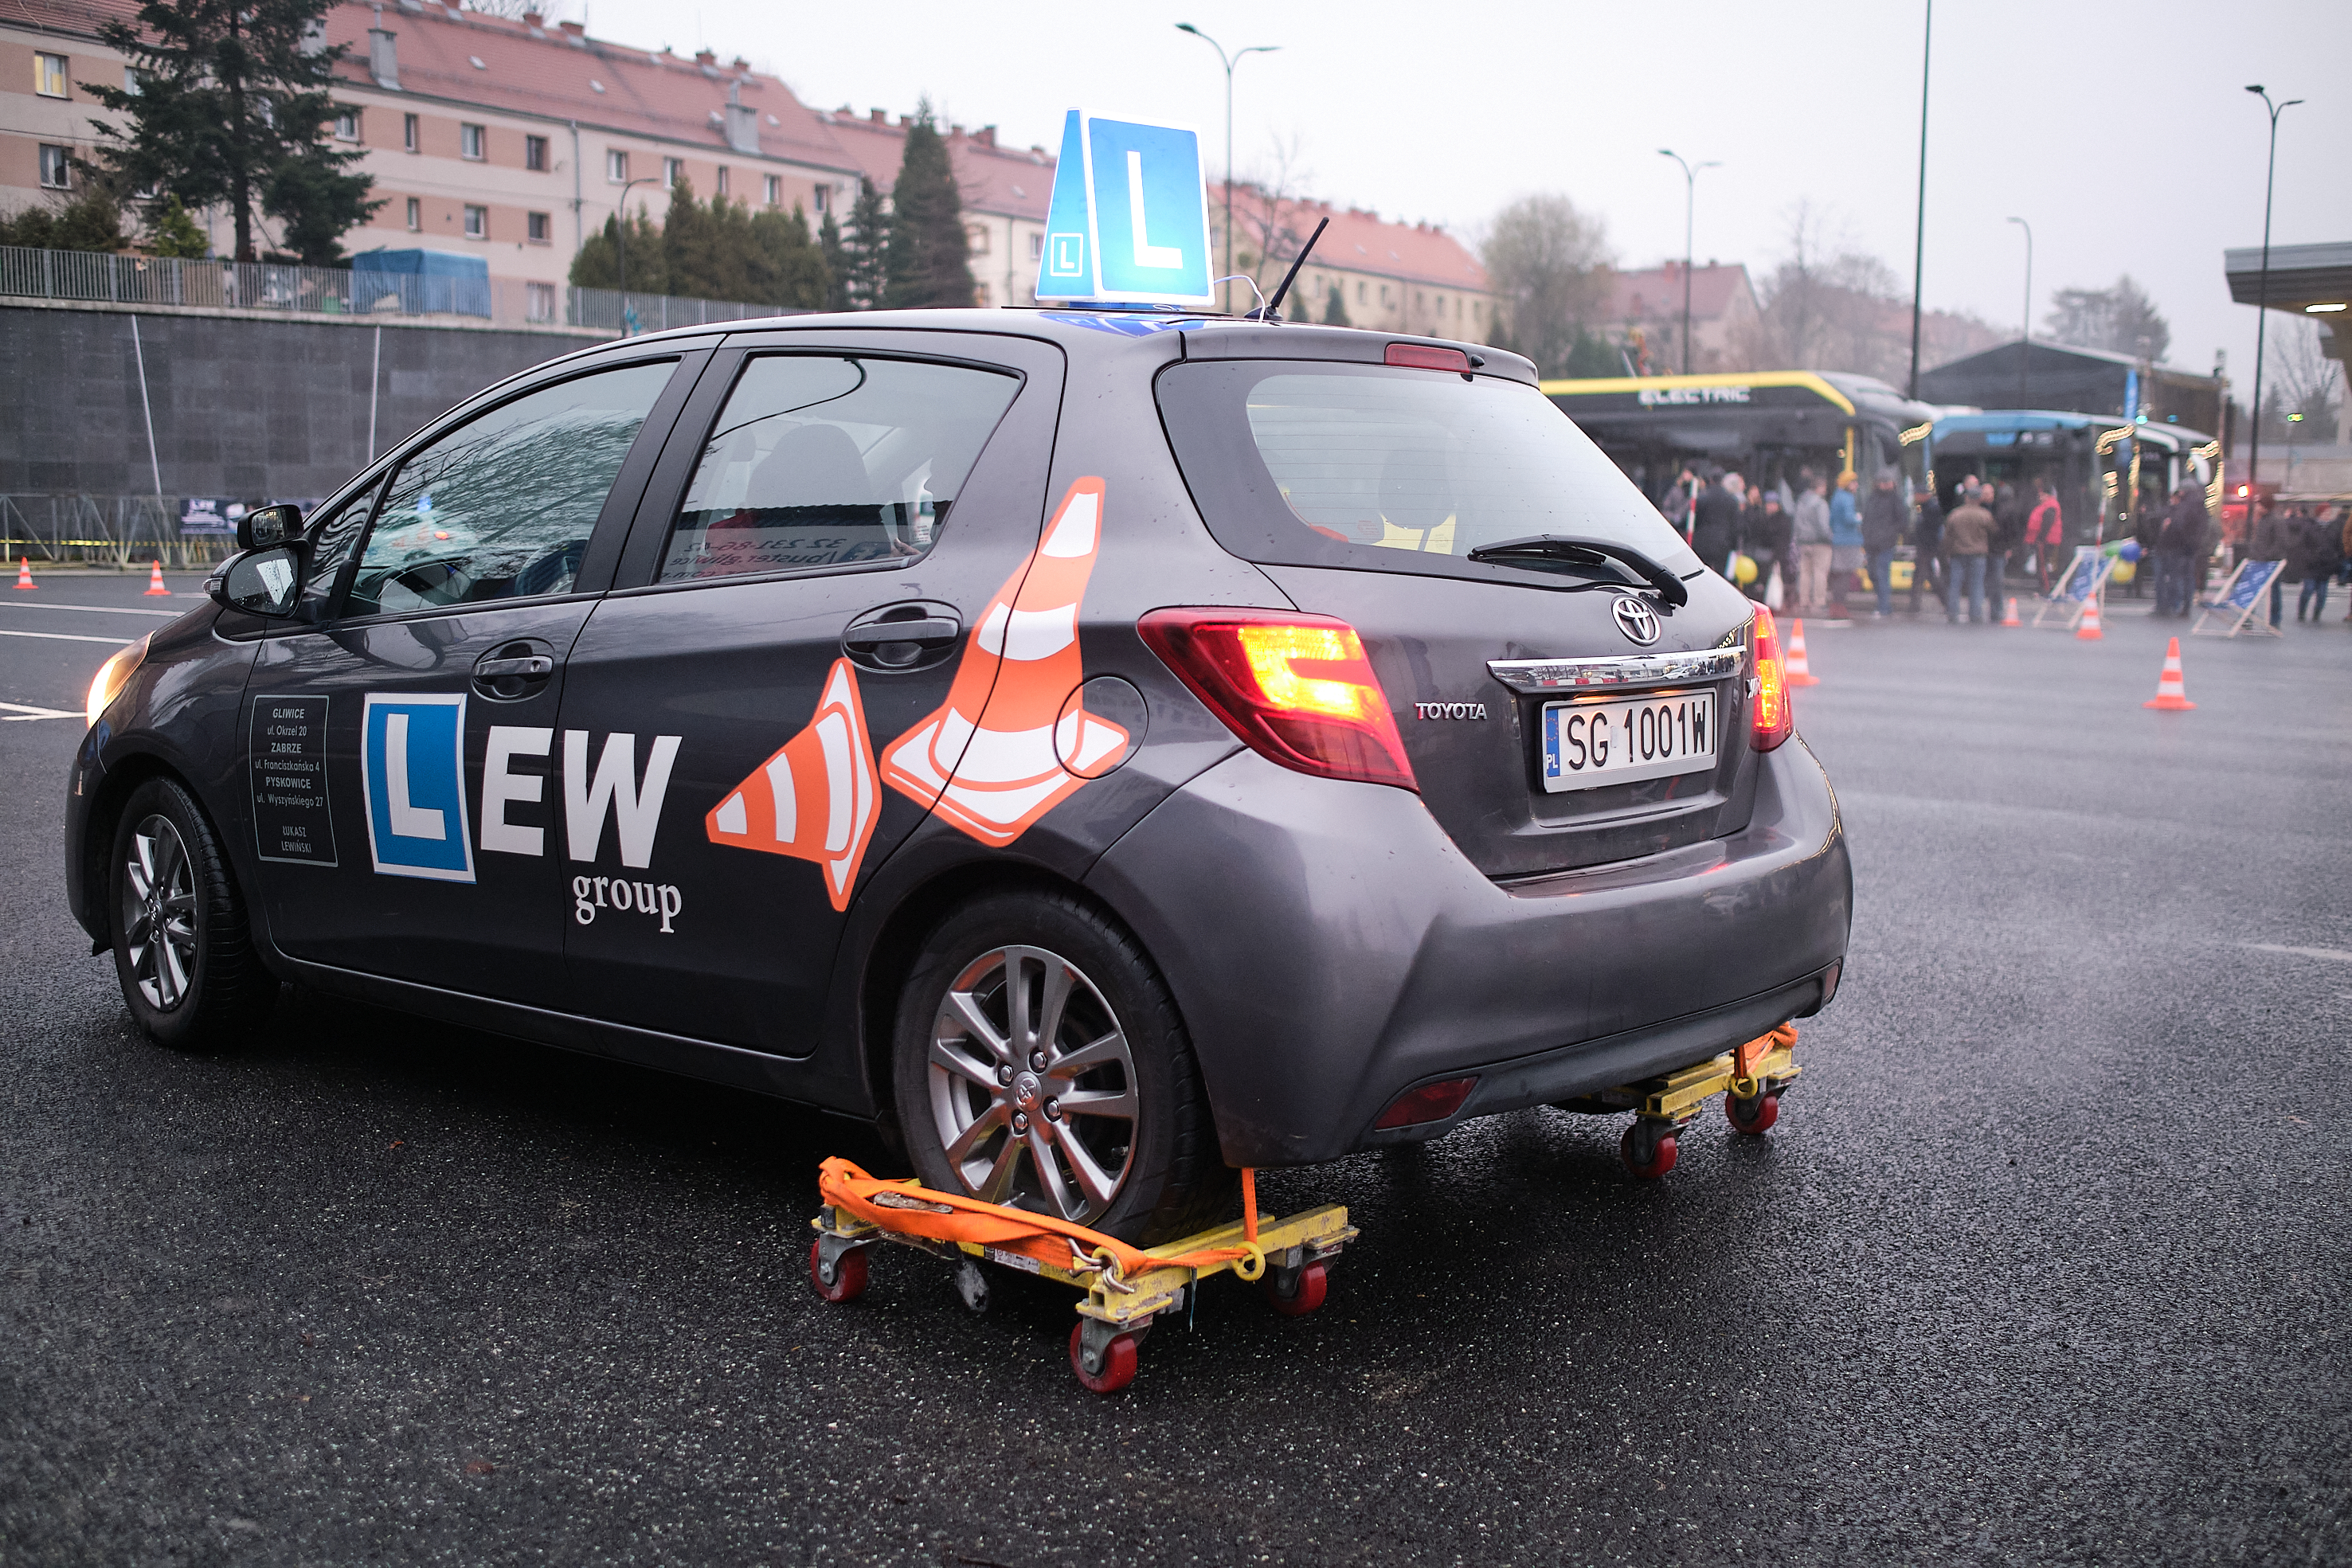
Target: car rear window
<point x="1390" y="469"/>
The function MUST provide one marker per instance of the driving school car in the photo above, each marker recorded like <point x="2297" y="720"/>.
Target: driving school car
<point x="1106" y="747"/>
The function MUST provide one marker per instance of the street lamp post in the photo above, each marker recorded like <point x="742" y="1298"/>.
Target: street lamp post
<point x="1229" y="62"/>
<point x="2263" y="299"/>
<point x="621" y="230"/>
<point x="1919" y="236"/>
<point x="1690" y="210"/>
<point x="2025" y="328"/>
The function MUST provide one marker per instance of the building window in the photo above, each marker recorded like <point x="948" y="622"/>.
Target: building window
<point x="1037" y="247"/>
<point x="57" y="166"/>
<point x="408" y="133"/>
<point x="775" y="192"/>
<point x="721" y="188"/>
<point x="131" y="80"/>
<point x="477" y="222"/>
<point x="538" y="228"/>
<point x="415" y="213"/>
<point x="534" y="154"/>
<point x="616" y="168"/>
<point x="673" y="171"/>
<point x="975" y="239"/>
<point x="469" y="141"/>
<point x="821" y="195"/>
<point x="1359" y="293"/>
<point x="539" y="298"/>
<point x="347" y="125"/>
<point x="49" y="75"/>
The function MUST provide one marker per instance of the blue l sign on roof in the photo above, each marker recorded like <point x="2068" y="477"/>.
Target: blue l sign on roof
<point x="1129" y="221"/>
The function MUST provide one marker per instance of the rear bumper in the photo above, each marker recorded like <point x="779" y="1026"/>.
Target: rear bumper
<point x="1331" y="948"/>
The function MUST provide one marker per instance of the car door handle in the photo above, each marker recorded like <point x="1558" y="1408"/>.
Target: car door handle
<point x="537" y="667"/>
<point x="929" y="633"/>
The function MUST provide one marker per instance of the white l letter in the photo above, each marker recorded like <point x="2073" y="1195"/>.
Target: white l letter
<point x="1165" y="256"/>
<point x="407" y="821"/>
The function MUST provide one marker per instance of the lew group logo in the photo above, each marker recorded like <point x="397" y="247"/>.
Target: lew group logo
<point x="413" y="777"/>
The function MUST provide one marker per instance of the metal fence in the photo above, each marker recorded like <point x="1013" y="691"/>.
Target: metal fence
<point x="165" y="283"/>
<point x="121" y="530"/>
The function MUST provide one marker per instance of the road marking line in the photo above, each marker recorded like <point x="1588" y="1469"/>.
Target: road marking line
<point x="2336" y="954"/>
<point x="98" y="609"/>
<point x="68" y="637"/>
<point x="20" y="712"/>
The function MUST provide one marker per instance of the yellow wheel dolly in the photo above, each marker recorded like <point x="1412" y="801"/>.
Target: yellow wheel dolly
<point x="1126" y="1288"/>
<point x="1749" y="1079"/>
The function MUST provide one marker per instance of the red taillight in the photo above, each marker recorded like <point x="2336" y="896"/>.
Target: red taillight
<point x="1430" y="1103"/>
<point x="1774" y="721"/>
<point x="1427" y="357"/>
<point x="1297" y="688"/>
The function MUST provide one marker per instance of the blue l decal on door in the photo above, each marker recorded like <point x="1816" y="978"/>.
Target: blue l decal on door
<point x="412" y="775"/>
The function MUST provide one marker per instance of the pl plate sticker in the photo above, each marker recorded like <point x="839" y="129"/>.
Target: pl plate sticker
<point x="291" y="819"/>
<point x="413" y="774"/>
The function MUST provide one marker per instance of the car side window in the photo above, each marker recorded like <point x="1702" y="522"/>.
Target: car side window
<point x="501" y="507"/>
<point x="821" y="460"/>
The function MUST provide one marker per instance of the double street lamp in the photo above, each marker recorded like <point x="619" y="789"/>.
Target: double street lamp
<point x="2263" y="297"/>
<point x="1229" y="62"/>
<point x="1690" y="209"/>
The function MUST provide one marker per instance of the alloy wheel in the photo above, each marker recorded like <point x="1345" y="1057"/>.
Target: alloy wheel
<point x="1033" y="1084"/>
<point x="159" y="914"/>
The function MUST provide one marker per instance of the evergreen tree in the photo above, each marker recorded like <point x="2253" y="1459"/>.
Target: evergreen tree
<point x="865" y="250"/>
<point x="698" y="260"/>
<point x="836" y="264"/>
<point x="172" y="233"/>
<point x="929" y="259"/>
<point x="598" y="264"/>
<point x="90" y="221"/>
<point x="797" y="275"/>
<point x="1335" y="309"/>
<point x="228" y="111"/>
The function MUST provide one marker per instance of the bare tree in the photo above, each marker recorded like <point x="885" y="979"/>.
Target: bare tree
<point x="2308" y="383"/>
<point x="1828" y="305"/>
<point x="1271" y="220"/>
<point x="1549" y="266"/>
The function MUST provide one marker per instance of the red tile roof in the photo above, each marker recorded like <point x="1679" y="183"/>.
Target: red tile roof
<point x="1654" y="293"/>
<point x="558" y="72"/>
<point x="1016" y="182"/>
<point x="1357" y="241"/>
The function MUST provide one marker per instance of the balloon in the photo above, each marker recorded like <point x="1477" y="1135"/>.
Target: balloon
<point x="1743" y="570"/>
<point x="2124" y="571"/>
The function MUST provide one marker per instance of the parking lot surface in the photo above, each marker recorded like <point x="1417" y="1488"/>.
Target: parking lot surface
<point x="2046" y="1261"/>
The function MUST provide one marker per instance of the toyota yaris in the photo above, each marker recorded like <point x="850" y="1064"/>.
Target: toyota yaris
<point x="1106" y="747"/>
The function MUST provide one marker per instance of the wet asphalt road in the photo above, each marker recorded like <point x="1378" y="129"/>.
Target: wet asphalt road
<point x="2047" y="1260"/>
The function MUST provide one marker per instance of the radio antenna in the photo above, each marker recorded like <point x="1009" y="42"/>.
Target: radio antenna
<point x="1275" y="303"/>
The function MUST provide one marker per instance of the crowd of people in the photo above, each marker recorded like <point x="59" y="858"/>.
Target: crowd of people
<point x="1813" y="546"/>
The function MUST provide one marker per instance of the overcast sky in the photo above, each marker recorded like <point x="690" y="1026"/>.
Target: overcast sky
<point x="2123" y="134"/>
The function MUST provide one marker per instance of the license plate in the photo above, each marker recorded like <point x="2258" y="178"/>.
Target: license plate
<point x="1620" y="740"/>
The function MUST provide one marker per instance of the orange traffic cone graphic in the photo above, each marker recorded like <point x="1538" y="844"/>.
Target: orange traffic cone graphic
<point x="1799" y="672"/>
<point x="25" y="573"/>
<point x="992" y="756"/>
<point x="2087" y="630"/>
<point x="2171" y="697"/>
<point x="817" y="798"/>
<point x="156" y="584"/>
<point x="2011" y="619"/>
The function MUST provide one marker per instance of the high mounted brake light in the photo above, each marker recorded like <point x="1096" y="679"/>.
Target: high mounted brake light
<point x="1427" y="357"/>
<point x="1296" y="688"/>
<point x="1775" y="722"/>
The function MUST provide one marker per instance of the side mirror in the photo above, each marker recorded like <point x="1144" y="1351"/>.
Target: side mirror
<point x="263" y="581"/>
<point x="266" y="526"/>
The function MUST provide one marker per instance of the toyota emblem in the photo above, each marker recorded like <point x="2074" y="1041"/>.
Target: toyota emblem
<point x="1636" y="620"/>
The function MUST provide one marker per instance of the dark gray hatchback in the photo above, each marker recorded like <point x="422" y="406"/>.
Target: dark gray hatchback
<point x="1107" y="749"/>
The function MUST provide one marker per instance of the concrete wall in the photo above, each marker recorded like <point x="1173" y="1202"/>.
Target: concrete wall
<point x="243" y="407"/>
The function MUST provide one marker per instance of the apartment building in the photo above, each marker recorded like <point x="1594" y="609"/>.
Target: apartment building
<point x="1391" y="277"/>
<point x="1723" y="314"/>
<point x="48" y="49"/>
<point x="1004" y="191"/>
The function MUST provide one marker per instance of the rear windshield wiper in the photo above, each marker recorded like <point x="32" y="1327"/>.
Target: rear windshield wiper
<point x="1540" y="548"/>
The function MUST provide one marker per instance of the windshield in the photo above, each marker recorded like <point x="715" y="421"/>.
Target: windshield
<point x="1392" y="469"/>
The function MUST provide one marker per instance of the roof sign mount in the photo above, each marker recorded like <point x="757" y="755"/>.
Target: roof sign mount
<point x="1128" y="223"/>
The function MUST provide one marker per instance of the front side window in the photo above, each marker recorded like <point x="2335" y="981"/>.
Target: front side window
<point x="502" y="508"/>
<point x="1383" y="468"/>
<point x="49" y="75"/>
<point x="823" y="461"/>
<point x="57" y="167"/>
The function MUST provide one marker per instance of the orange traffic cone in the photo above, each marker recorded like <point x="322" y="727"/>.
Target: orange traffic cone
<point x="2171" y="697"/>
<point x="817" y="798"/>
<point x="25" y="573"/>
<point x="1799" y="672"/>
<point x="2011" y="619"/>
<point x="1013" y="740"/>
<point x="156" y="584"/>
<point x="2087" y="630"/>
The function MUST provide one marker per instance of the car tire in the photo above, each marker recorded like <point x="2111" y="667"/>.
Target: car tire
<point x="182" y="948"/>
<point x="978" y="1092"/>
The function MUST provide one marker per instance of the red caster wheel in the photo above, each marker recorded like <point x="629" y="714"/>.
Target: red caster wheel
<point x="1306" y="1293"/>
<point x="1647" y="1155"/>
<point x="1755" y="1117"/>
<point x="848" y="1280"/>
<point x="1117" y="1369"/>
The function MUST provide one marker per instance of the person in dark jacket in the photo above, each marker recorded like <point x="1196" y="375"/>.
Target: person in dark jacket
<point x="2318" y="557"/>
<point x="1882" y="531"/>
<point x="1715" y="527"/>
<point x="1764" y="536"/>
<point x="1927" y="545"/>
<point x="2180" y="544"/>
<point x="2008" y="537"/>
<point x="2274" y="540"/>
